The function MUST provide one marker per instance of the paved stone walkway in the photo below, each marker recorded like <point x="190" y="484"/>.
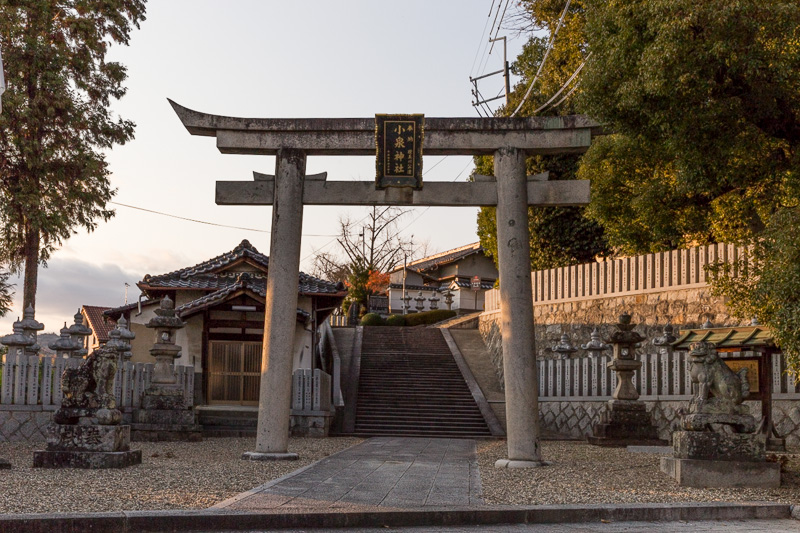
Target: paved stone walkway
<point x="727" y="526"/>
<point x="382" y="472"/>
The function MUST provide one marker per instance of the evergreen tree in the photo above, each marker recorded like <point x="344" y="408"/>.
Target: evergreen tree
<point x="56" y="121"/>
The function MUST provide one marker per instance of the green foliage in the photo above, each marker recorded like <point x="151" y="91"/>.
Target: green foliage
<point x="560" y="236"/>
<point x="55" y="124"/>
<point x="705" y="100"/>
<point x="372" y="319"/>
<point x="429" y="317"/>
<point x="6" y="292"/>
<point x="396" y="320"/>
<point x="767" y="286"/>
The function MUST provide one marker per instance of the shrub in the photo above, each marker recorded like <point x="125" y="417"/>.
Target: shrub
<point x="428" y="317"/>
<point x="396" y="320"/>
<point x="372" y="319"/>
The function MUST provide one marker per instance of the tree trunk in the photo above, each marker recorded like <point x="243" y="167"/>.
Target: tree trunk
<point x="31" y="268"/>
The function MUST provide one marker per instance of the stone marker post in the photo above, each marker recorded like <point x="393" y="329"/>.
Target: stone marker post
<point x="280" y="309"/>
<point x="516" y="311"/>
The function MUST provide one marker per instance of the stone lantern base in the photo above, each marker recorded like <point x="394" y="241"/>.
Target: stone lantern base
<point x="164" y="416"/>
<point x="713" y="459"/>
<point x="625" y="423"/>
<point x="88" y="438"/>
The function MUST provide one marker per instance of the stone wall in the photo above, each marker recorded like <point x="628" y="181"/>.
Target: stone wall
<point x="683" y="308"/>
<point x="575" y="418"/>
<point x="25" y="423"/>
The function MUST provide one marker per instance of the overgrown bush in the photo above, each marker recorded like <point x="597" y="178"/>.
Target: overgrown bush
<point x="428" y="317"/>
<point x="372" y="319"/>
<point x="396" y="320"/>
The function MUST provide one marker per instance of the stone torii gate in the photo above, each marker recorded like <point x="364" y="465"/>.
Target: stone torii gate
<point x="510" y="190"/>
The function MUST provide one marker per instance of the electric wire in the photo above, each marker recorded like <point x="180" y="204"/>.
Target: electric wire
<point x="481" y="43"/>
<point x="566" y="83"/>
<point x="205" y="222"/>
<point x="497" y="31"/>
<point x="484" y="63"/>
<point x="544" y="59"/>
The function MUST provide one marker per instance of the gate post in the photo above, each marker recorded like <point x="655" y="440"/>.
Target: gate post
<point x="280" y="309"/>
<point x="516" y="311"/>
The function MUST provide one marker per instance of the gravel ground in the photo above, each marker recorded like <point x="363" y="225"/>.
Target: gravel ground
<point x="581" y="474"/>
<point x="172" y="476"/>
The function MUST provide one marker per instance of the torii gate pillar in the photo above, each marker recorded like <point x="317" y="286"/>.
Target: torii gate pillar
<point x="280" y="309"/>
<point x="516" y="310"/>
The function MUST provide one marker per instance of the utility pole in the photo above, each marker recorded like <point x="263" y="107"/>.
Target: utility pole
<point x="479" y="100"/>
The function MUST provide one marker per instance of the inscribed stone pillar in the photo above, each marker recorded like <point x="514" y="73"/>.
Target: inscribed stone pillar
<point x="274" y="406"/>
<point x="516" y="311"/>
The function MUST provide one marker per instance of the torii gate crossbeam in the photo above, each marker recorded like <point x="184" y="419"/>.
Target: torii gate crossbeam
<point x="292" y="140"/>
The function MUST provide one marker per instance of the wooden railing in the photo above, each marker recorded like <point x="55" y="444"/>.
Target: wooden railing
<point x="33" y="380"/>
<point x="677" y="269"/>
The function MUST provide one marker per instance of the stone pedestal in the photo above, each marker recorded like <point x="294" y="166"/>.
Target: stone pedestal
<point x="712" y="459"/>
<point x="624" y="423"/>
<point x="310" y="423"/>
<point x="88" y="438"/>
<point x="164" y="416"/>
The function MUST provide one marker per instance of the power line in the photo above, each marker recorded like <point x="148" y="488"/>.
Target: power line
<point x="481" y="43"/>
<point x="485" y="60"/>
<point x="541" y="65"/>
<point x="566" y="83"/>
<point x="205" y="222"/>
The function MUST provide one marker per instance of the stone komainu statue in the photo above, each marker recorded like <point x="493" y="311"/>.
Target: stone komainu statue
<point x="718" y="389"/>
<point x="91" y="384"/>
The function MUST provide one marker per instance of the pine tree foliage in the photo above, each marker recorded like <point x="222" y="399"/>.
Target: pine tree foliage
<point x="56" y="123"/>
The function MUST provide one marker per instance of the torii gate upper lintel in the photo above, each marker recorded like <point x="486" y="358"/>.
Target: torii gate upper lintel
<point x="510" y="140"/>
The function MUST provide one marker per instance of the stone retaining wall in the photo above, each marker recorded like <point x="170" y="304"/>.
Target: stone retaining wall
<point x="575" y="418"/>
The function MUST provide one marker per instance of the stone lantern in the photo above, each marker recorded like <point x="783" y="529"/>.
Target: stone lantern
<point x="17" y="342"/>
<point x="29" y="328"/>
<point x="564" y="348"/>
<point x="434" y="300"/>
<point x="420" y="299"/>
<point x="595" y="346"/>
<point x="165" y="323"/>
<point x="165" y="413"/>
<point x="406" y="303"/>
<point x="65" y="345"/>
<point x="626" y="420"/>
<point x="126" y="336"/>
<point x="79" y="332"/>
<point x="448" y="299"/>
<point x="664" y="342"/>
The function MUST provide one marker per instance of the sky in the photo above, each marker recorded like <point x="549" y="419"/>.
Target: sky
<point x="265" y="59"/>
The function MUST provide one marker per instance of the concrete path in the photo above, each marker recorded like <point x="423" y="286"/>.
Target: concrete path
<point x="728" y="526"/>
<point x="380" y="473"/>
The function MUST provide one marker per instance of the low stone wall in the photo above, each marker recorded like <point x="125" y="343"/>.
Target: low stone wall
<point x="576" y="418"/>
<point x="25" y="423"/>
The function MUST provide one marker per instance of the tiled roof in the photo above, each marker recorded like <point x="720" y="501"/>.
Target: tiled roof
<point x="242" y="283"/>
<point x="444" y="257"/>
<point x="204" y="276"/>
<point x="736" y="337"/>
<point x="410" y="287"/>
<point x="115" y="312"/>
<point x="100" y="325"/>
<point x="467" y="284"/>
<point x="243" y="250"/>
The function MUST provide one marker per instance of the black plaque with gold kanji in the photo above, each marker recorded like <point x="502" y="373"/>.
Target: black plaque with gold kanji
<point x="398" y="139"/>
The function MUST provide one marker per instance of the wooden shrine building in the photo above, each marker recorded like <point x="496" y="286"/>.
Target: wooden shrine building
<point x="222" y="302"/>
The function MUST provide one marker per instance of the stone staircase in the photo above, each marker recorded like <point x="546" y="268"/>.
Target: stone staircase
<point x="228" y="421"/>
<point x="410" y="385"/>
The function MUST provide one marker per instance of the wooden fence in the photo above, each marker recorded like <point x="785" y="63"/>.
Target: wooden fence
<point x="664" y="375"/>
<point x="677" y="269"/>
<point x="33" y="380"/>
